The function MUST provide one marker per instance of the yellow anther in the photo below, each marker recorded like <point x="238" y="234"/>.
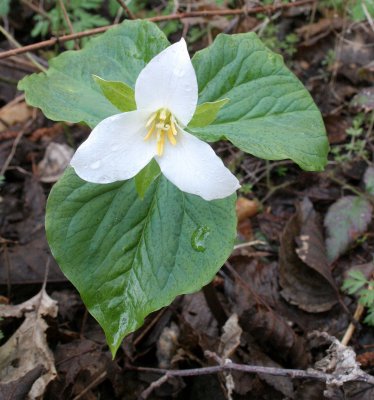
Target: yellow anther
<point x="161" y="124"/>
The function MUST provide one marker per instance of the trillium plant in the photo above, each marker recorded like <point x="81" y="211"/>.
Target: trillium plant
<point x="146" y="211"/>
<point x="120" y="146"/>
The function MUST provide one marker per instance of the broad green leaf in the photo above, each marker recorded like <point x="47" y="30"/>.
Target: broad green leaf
<point x="346" y="219"/>
<point x="206" y="113"/>
<point x="128" y="257"/>
<point x="67" y="92"/>
<point x="118" y="93"/>
<point x="270" y="114"/>
<point x="145" y="177"/>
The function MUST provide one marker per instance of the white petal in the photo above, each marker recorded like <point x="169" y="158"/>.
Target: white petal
<point x="193" y="167"/>
<point x="115" y="149"/>
<point x="169" y="81"/>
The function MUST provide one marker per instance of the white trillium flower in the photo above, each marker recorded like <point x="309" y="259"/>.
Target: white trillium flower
<point x="120" y="146"/>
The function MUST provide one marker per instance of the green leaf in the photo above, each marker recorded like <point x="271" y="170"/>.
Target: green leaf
<point x="358" y="276"/>
<point x="367" y="297"/>
<point x="270" y="115"/>
<point x="345" y="220"/>
<point x="118" y="93"/>
<point x="145" y="177"/>
<point x="369" y="319"/>
<point x="369" y="180"/>
<point x="352" y="285"/>
<point x="206" y="113"/>
<point x="358" y="13"/>
<point x="128" y="257"/>
<point x="67" y="92"/>
<point x="4" y="7"/>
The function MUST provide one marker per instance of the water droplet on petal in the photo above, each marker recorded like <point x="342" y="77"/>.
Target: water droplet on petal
<point x="199" y="237"/>
<point x="179" y="72"/>
<point x="95" y="165"/>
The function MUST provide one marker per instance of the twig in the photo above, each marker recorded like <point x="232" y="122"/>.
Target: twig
<point x="14" y="148"/>
<point x="351" y="327"/>
<point x="229" y="366"/>
<point x="343" y="184"/>
<point x="67" y="20"/>
<point x="154" y="385"/>
<point x="214" y="304"/>
<point x="14" y="42"/>
<point x="94" y="383"/>
<point x="160" y="18"/>
<point x="367" y="15"/>
<point x="127" y="10"/>
<point x="248" y="244"/>
<point x="37" y="9"/>
<point x="247" y="286"/>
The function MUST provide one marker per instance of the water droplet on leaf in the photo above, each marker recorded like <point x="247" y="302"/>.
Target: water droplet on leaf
<point x="199" y="237"/>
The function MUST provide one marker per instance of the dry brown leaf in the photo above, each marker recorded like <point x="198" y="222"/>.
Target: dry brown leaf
<point x="246" y="208"/>
<point x="230" y="339"/>
<point x="167" y="345"/>
<point x="28" y="347"/>
<point x="56" y="158"/>
<point x="305" y="274"/>
<point x="14" y="113"/>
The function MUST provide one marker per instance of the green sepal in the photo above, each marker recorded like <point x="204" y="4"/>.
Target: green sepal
<point x="206" y="113"/>
<point x="118" y="93"/>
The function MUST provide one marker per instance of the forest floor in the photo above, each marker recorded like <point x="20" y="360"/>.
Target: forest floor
<point x="273" y="304"/>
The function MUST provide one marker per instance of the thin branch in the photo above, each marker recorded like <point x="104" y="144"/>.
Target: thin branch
<point x="67" y="20"/>
<point x="160" y="18"/>
<point x="127" y="10"/>
<point x="92" y="385"/>
<point x="37" y="9"/>
<point x="14" y="147"/>
<point x="230" y="366"/>
<point x="14" y="42"/>
<point x="154" y="385"/>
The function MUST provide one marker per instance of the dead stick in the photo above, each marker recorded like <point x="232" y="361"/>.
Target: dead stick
<point x="192" y="14"/>
<point x="254" y="369"/>
<point x="127" y="10"/>
<point x="67" y="20"/>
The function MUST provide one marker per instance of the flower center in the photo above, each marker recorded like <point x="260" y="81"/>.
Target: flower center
<point x="162" y="124"/>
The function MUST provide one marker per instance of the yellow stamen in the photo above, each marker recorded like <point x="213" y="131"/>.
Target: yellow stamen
<point x="151" y="129"/>
<point x="161" y="124"/>
<point x="171" y="137"/>
<point x="151" y="119"/>
<point x="173" y="128"/>
<point x="160" y="144"/>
